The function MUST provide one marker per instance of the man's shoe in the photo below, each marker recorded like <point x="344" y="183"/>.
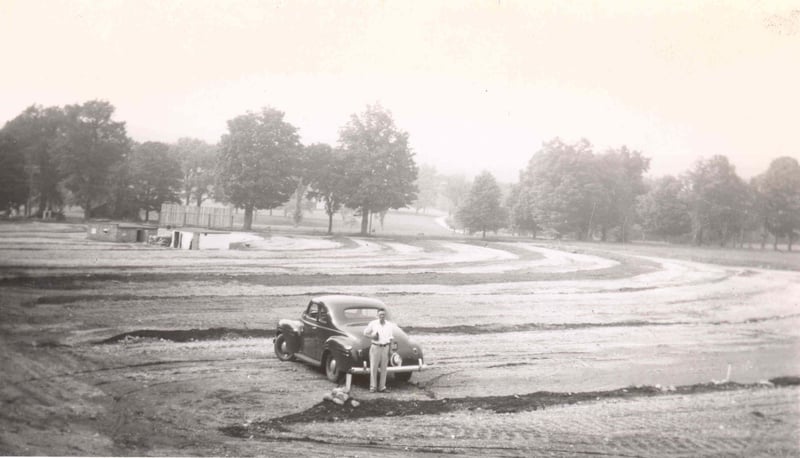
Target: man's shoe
<point x="384" y="390"/>
<point x="372" y="390"/>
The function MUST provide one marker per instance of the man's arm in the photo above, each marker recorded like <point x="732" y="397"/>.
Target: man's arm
<point x="368" y="330"/>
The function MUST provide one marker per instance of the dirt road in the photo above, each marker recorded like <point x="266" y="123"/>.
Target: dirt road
<point x="503" y="325"/>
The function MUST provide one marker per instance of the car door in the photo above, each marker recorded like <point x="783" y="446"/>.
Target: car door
<point x="324" y="328"/>
<point x="310" y="336"/>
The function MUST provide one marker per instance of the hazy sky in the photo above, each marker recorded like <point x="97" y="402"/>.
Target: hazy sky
<point x="477" y="84"/>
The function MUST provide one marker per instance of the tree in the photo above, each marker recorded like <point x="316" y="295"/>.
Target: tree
<point x="13" y="184"/>
<point x="663" y="209"/>
<point x="380" y="166"/>
<point x="327" y="180"/>
<point x="520" y="211"/>
<point x="428" y="184"/>
<point x="306" y="167"/>
<point x="779" y="192"/>
<point x="718" y="200"/>
<point x="197" y="159"/>
<point x="155" y="176"/>
<point x="456" y="188"/>
<point x="122" y="202"/>
<point x="619" y="175"/>
<point x="92" y="144"/>
<point x="256" y="161"/>
<point x="35" y="133"/>
<point x="560" y="186"/>
<point x="482" y="210"/>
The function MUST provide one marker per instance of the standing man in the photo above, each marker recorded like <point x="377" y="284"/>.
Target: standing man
<point x="381" y="333"/>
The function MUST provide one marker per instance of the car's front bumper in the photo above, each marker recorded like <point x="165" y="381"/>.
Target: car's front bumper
<point x="390" y="369"/>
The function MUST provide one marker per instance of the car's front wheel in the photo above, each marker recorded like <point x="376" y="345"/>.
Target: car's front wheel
<point x="402" y="376"/>
<point x="332" y="370"/>
<point x="281" y="350"/>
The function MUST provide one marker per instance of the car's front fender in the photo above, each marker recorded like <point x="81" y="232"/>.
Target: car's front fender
<point x="342" y="349"/>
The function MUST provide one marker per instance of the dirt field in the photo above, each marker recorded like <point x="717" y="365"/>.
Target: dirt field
<point x="535" y="349"/>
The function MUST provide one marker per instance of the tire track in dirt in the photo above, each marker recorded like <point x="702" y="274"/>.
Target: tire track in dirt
<point x="167" y="365"/>
<point x="446" y="258"/>
<point x="493" y="328"/>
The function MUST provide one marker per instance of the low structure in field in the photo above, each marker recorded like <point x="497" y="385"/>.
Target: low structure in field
<point x="119" y="231"/>
<point x="189" y="238"/>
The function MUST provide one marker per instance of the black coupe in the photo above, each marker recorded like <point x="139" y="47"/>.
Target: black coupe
<point x="329" y="334"/>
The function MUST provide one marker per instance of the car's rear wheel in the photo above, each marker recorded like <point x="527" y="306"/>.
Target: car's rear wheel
<point x="402" y="376"/>
<point x="332" y="370"/>
<point x="281" y="349"/>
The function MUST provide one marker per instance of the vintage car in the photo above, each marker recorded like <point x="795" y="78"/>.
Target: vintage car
<point x="330" y="335"/>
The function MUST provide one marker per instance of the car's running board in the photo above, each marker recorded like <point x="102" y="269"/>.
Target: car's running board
<point x="308" y="360"/>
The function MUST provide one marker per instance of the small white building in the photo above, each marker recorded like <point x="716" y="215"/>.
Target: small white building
<point x="197" y="239"/>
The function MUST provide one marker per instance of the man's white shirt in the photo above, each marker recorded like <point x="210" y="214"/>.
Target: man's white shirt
<point x="385" y="331"/>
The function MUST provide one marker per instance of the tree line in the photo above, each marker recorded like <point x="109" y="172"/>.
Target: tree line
<point x="79" y="154"/>
<point x="570" y="190"/>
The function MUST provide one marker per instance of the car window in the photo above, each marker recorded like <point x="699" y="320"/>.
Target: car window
<point x="323" y="314"/>
<point x="312" y="311"/>
<point x="360" y="314"/>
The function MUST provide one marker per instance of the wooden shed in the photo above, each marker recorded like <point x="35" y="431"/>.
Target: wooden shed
<point x="119" y="232"/>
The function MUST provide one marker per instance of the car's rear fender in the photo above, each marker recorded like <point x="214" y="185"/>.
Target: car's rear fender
<point x="291" y="331"/>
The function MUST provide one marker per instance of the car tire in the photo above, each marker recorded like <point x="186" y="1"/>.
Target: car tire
<point x="280" y="349"/>
<point x="331" y="368"/>
<point x="402" y="376"/>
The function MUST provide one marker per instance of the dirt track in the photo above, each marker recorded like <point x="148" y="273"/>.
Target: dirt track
<point x="196" y="373"/>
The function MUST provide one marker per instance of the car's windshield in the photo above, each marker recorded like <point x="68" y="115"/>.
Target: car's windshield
<point x="359" y="315"/>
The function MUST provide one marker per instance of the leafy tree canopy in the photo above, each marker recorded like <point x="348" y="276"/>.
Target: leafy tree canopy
<point x="197" y="160"/>
<point x="717" y="199"/>
<point x="92" y="144"/>
<point x="36" y="134"/>
<point x="327" y="179"/>
<point x="428" y="183"/>
<point x="257" y="161"/>
<point x="619" y="175"/>
<point x="456" y="188"/>
<point x="561" y="187"/>
<point x="779" y="190"/>
<point x="482" y="210"/>
<point x="155" y="175"/>
<point x="381" y="171"/>
<point x="520" y="210"/>
<point x="664" y="210"/>
<point x="13" y="183"/>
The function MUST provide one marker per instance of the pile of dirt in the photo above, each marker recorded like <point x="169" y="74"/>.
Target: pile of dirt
<point x="332" y="412"/>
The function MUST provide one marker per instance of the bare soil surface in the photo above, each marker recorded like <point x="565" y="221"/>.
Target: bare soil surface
<point x="534" y="348"/>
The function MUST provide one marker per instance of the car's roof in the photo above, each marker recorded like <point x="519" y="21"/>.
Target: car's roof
<point x="338" y="302"/>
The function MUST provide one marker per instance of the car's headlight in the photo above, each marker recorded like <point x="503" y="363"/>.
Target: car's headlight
<point x="396" y="360"/>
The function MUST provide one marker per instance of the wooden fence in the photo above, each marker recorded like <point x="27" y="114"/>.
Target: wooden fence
<point x="182" y="215"/>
